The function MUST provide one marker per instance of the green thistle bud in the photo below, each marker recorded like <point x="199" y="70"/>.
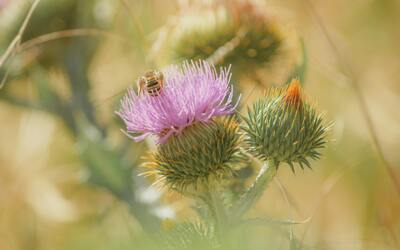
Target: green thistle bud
<point x="202" y="153"/>
<point x="285" y="128"/>
<point x="235" y="33"/>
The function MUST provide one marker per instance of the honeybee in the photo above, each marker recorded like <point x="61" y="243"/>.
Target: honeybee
<point x="152" y="82"/>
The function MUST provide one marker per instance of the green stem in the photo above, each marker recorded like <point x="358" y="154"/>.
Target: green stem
<point x="217" y="209"/>
<point x="266" y="175"/>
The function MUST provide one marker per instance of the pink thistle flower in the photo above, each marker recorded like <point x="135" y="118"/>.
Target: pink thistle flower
<point x="193" y="92"/>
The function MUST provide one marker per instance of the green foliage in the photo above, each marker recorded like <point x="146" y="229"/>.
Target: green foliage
<point x="51" y="16"/>
<point x="102" y="163"/>
<point x="237" y="185"/>
<point x="284" y="132"/>
<point x="189" y="235"/>
<point x="254" y="192"/>
<point x="202" y="152"/>
<point x="108" y="169"/>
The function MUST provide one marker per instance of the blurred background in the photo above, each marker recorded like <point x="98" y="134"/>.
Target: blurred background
<point x="69" y="177"/>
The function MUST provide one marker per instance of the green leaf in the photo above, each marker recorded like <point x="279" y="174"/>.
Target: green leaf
<point x="273" y="222"/>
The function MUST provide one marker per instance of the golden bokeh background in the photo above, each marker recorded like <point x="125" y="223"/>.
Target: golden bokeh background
<point x="349" y="197"/>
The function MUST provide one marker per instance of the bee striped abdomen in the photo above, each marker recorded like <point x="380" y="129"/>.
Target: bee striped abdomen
<point x="152" y="82"/>
<point x="153" y="87"/>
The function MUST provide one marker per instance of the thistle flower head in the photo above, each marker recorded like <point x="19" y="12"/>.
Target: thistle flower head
<point x="284" y="127"/>
<point x="201" y="154"/>
<point x="193" y="92"/>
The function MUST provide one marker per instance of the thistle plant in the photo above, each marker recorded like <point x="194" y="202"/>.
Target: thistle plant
<point x="193" y="144"/>
<point x="201" y="142"/>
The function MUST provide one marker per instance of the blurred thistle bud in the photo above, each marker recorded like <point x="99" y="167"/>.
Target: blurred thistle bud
<point x="228" y="33"/>
<point x="202" y="154"/>
<point x="284" y="127"/>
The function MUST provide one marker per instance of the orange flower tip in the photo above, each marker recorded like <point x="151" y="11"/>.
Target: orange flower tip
<point x="293" y="95"/>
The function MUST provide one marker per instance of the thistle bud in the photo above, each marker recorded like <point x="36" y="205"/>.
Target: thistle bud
<point x="235" y="33"/>
<point x="201" y="154"/>
<point x="284" y="127"/>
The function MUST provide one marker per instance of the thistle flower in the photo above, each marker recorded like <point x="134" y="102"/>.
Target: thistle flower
<point x="284" y="127"/>
<point x="193" y="93"/>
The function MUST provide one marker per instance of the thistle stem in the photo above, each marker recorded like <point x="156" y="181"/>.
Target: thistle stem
<point x="266" y="175"/>
<point x="217" y="209"/>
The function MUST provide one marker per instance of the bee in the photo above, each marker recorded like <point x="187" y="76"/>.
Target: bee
<point x="152" y="82"/>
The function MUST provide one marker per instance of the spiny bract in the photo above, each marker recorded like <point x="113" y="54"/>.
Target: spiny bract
<point x="203" y="152"/>
<point x="283" y="127"/>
